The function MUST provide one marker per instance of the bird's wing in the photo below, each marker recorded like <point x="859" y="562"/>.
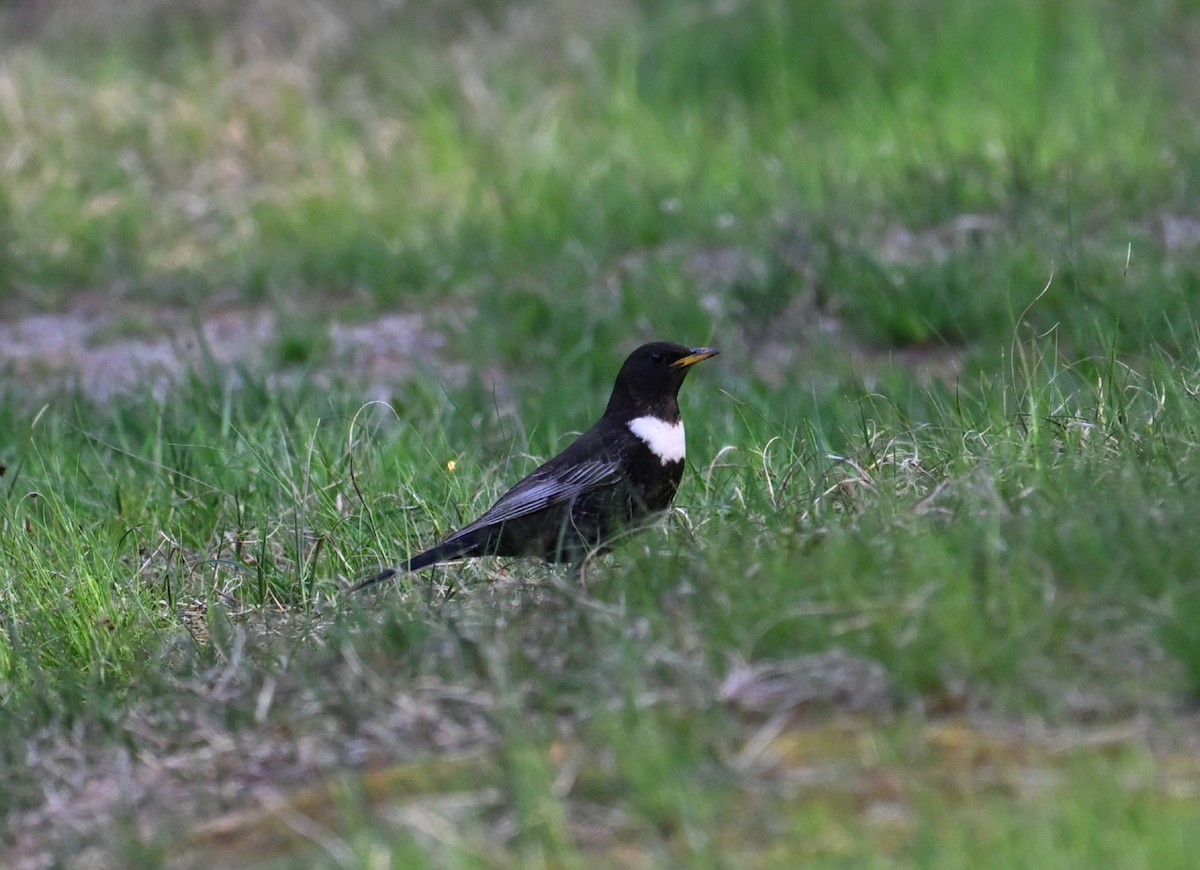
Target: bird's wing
<point x="545" y="488"/>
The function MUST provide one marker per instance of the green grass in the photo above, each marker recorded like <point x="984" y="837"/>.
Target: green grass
<point x="391" y="173"/>
<point x="953" y="432"/>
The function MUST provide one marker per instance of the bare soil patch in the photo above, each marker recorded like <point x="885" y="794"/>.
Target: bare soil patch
<point x="105" y="351"/>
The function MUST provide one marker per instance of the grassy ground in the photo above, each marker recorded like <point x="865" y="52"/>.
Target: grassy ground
<point x="929" y="597"/>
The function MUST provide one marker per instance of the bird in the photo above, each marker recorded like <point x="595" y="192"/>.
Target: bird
<point x="618" y="475"/>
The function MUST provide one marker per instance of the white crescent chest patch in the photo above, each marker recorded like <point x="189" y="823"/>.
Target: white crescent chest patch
<point x="664" y="439"/>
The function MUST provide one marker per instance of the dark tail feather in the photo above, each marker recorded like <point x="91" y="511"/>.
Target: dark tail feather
<point x="443" y="552"/>
<point x="386" y="574"/>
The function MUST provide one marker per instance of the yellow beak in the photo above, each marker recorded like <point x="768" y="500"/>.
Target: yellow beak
<point x="697" y="355"/>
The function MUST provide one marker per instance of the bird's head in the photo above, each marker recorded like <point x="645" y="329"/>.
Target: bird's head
<point x="650" y="377"/>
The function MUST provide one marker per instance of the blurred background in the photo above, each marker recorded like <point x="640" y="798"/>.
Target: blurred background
<point x="853" y="174"/>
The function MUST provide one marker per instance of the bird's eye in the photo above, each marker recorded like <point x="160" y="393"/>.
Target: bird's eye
<point x="657" y="359"/>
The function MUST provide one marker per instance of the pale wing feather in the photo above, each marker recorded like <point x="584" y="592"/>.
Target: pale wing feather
<point x="536" y="493"/>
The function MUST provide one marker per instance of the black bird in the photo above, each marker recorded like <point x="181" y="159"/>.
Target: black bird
<point x="615" y="476"/>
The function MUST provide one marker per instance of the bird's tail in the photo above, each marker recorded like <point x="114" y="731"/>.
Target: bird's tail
<point x="444" y="552"/>
<point x="385" y="574"/>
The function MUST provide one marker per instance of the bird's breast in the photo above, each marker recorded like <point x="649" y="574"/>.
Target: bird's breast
<point x="664" y="439"/>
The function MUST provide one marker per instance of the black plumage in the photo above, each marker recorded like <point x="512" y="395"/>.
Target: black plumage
<point x="617" y="475"/>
